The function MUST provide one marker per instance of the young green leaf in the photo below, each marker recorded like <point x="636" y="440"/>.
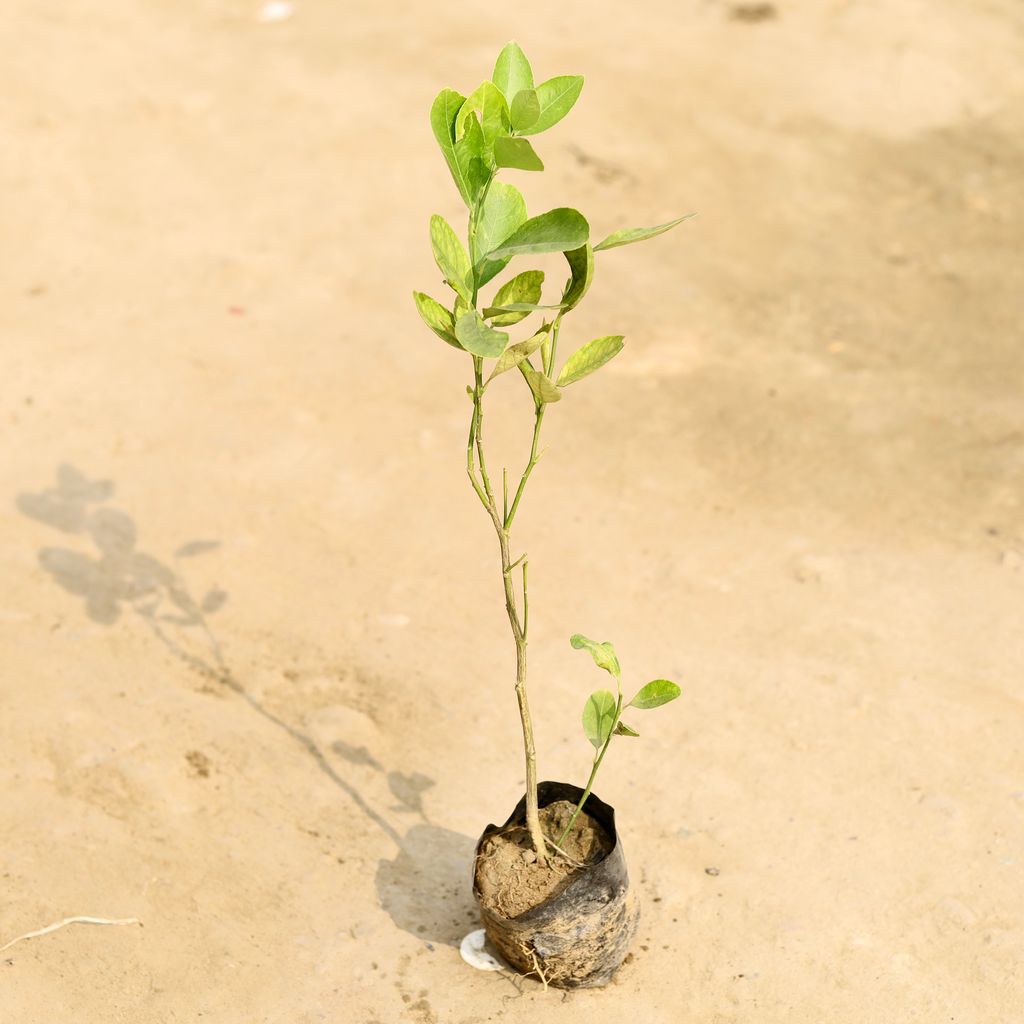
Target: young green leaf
<point x="603" y="653"/>
<point x="451" y="257"/>
<point x="436" y="317"/>
<point x="512" y="71"/>
<point x="599" y="717"/>
<point x="473" y="158"/>
<point x="488" y="100"/>
<point x="523" y="288"/>
<point x="525" y="110"/>
<point x="443" y="113"/>
<point x="476" y="337"/>
<point x="630" y="235"/>
<point x="515" y="354"/>
<point x="554" y="231"/>
<point x="590" y="357"/>
<point x="621" y="729"/>
<point x="503" y="211"/>
<point x="512" y="151"/>
<point x="519" y="307"/>
<point x="581" y="265"/>
<point x="543" y="390"/>
<point x="654" y="694"/>
<point x="556" y="97"/>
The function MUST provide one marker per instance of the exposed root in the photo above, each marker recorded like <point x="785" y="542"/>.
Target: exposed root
<point x="538" y="970"/>
<point x="554" y="846"/>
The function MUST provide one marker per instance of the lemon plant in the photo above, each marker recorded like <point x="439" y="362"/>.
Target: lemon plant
<point x="481" y="135"/>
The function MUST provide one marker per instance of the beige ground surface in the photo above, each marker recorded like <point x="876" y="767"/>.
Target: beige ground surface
<point x="798" y="491"/>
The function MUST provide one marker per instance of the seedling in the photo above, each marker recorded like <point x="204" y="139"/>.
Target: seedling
<point x="602" y="713"/>
<point x="480" y="135"/>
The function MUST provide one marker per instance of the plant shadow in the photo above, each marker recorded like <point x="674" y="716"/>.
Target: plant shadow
<point x="424" y="887"/>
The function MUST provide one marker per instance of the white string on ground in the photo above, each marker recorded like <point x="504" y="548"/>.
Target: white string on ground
<point x="70" y="920"/>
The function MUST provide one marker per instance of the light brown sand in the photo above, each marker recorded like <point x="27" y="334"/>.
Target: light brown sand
<point x="798" y="491"/>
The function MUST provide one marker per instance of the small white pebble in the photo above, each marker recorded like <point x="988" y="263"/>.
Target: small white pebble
<point x="276" y="10"/>
<point x="394" y="620"/>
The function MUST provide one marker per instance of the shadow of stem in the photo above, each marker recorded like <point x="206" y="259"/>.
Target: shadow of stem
<point x="424" y="887"/>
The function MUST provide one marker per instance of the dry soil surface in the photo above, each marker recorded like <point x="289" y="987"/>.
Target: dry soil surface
<point x="256" y="681"/>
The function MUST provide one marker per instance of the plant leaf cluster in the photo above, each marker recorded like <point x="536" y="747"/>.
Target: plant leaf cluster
<point x="602" y="713"/>
<point x="480" y="135"/>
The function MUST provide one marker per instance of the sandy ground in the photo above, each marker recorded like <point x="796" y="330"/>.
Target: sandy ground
<point x="798" y="491"/>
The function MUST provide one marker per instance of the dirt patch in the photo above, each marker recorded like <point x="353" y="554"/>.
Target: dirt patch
<point x="509" y="878"/>
<point x="199" y="763"/>
<point x="753" y="12"/>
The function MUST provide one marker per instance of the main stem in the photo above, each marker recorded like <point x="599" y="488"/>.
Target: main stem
<point x="482" y="486"/>
<point x="502" y="522"/>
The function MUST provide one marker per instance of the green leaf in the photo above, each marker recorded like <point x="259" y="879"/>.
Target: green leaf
<point x="436" y="317"/>
<point x="654" y="694"/>
<point x="476" y="337"/>
<point x="525" y="110"/>
<point x="522" y="289"/>
<point x="621" y="729"/>
<point x="629" y="235"/>
<point x="554" y="231"/>
<point x="511" y="151"/>
<point x="581" y="265"/>
<point x="544" y="391"/>
<point x="493" y="108"/>
<point x="515" y="354"/>
<point x="512" y="71"/>
<point x="473" y="159"/>
<point x="519" y="307"/>
<point x="503" y="211"/>
<point x="443" y="112"/>
<point x="556" y="97"/>
<point x="590" y="357"/>
<point x="602" y="653"/>
<point x="451" y="257"/>
<point x="599" y="717"/>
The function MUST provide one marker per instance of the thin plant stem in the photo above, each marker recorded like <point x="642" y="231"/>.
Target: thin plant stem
<point x="534" y="459"/>
<point x="516" y="562"/>
<point x="593" y="773"/>
<point x="470" y="463"/>
<point x="549" y="363"/>
<point x="479" y="410"/>
<point x="517" y="625"/>
<point x="538" y="421"/>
